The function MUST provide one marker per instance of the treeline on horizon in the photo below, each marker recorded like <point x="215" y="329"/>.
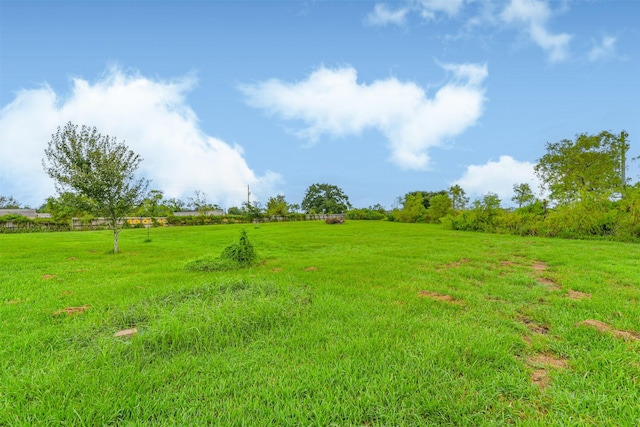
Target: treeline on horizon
<point x="587" y="196"/>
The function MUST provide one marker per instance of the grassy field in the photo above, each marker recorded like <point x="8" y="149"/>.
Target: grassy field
<point x="359" y="324"/>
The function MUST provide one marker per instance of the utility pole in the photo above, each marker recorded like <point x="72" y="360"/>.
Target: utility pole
<point x="248" y="197"/>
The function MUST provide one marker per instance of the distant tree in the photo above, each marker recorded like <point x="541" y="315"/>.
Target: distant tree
<point x="413" y="209"/>
<point x="459" y="199"/>
<point x="523" y="195"/>
<point x="378" y="208"/>
<point x="8" y="202"/>
<point x="154" y="205"/>
<point x="97" y="167"/>
<point x="69" y="205"/>
<point x="252" y="210"/>
<point x="591" y="166"/>
<point x="425" y="195"/>
<point x="325" y="198"/>
<point x="440" y="206"/>
<point x="175" y="205"/>
<point x="278" y="206"/>
<point x="234" y="210"/>
<point x="199" y="203"/>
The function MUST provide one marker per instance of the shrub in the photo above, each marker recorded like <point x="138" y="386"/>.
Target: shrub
<point x="367" y="214"/>
<point x="239" y="254"/>
<point x="334" y="220"/>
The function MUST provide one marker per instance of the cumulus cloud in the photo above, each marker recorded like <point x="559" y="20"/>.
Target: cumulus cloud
<point x="534" y="14"/>
<point x="498" y="177"/>
<point x="603" y="50"/>
<point x="381" y="15"/>
<point x="151" y="116"/>
<point x="333" y="102"/>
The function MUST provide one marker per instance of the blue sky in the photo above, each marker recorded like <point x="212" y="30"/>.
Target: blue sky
<point x="378" y="98"/>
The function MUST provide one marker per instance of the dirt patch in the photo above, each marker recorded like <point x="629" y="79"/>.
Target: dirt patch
<point x="13" y="301"/>
<point x="48" y="276"/>
<point x="507" y="263"/>
<point x="576" y="295"/>
<point x="604" y="328"/>
<point x="548" y="283"/>
<point x="543" y="364"/>
<point x="69" y="311"/>
<point x="72" y="258"/>
<point x="126" y="333"/>
<point x="276" y="270"/>
<point x="458" y="263"/>
<point x="311" y="269"/>
<point x="439" y="297"/>
<point x="534" y="327"/>
<point x="539" y="266"/>
<point x="65" y="293"/>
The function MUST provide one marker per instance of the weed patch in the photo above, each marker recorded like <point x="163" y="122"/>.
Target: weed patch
<point x="239" y="254"/>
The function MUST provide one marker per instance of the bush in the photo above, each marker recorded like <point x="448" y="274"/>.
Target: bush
<point x="334" y="220"/>
<point x="366" y="214"/>
<point x="237" y="255"/>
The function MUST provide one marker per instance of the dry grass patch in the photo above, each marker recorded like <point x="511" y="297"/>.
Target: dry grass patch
<point x="577" y="295"/>
<point x="439" y="297"/>
<point x="543" y="363"/>
<point x="69" y="311"/>
<point x="604" y="328"/>
<point x="126" y="333"/>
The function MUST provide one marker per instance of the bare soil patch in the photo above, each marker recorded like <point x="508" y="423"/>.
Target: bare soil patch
<point x="13" y="301"/>
<point x="458" y="263"/>
<point x="550" y="284"/>
<point x="65" y="293"/>
<point x="539" y="266"/>
<point x="311" y="269"/>
<point x="577" y="295"/>
<point x="126" y="333"/>
<point x="439" y="297"/>
<point x="69" y="311"/>
<point x="543" y="363"/>
<point x="604" y="328"/>
<point x="48" y="276"/>
<point x="277" y="270"/>
<point x="534" y="327"/>
<point x="72" y="258"/>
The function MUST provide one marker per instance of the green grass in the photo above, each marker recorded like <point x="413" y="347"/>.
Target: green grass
<point x="364" y="323"/>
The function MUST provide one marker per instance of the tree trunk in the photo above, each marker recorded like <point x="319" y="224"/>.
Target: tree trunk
<point x="115" y="240"/>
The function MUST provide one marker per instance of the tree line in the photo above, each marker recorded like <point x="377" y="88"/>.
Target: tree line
<point x="587" y="192"/>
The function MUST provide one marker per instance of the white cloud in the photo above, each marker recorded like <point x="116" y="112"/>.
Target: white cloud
<point x="499" y="178"/>
<point x="603" y="50"/>
<point x="331" y="101"/>
<point x="151" y="116"/>
<point x="534" y="14"/>
<point x="429" y="8"/>
<point x="382" y="15"/>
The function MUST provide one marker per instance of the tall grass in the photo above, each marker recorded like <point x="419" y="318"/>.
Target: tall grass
<point x="366" y="323"/>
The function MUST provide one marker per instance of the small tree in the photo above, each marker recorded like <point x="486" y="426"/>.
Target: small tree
<point x="9" y="203"/>
<point x="97" y="167"/>
<point x="277" y="206"/>
<point x="459" y="199"/>
<point x="523" y="195"/>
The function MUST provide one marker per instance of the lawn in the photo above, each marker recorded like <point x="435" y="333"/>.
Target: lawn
<point x="366" y="323"/>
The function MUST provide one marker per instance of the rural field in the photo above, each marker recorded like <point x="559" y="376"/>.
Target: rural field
<point x="367" y="323"/>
